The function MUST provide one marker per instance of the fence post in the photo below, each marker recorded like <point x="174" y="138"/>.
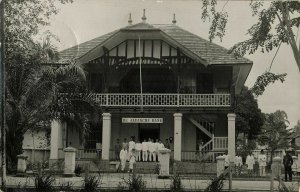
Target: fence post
<point x="276" y="171"/>
<point x="220" y="165"/>
<point x="174" y="169"/>
<point x="134" y="170"/>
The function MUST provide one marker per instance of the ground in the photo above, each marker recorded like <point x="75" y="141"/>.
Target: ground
<point x="112" y="180"/>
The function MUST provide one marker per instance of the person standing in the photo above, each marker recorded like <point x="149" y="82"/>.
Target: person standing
<point x="226" y="160"/>
<point x="160" y="146"/>
<point x="250" y="161"/>
<point x="138" y="149"/>
<point x="288" y="162"/>
<point x="167" y="145"/>
<point x="131" y="146"/>
<point x="262" y="161"/>
<point x="238" y="162"/>
<point x="131" y="162"/>
<point x="125" y="144"/>
<point x="118" y="148"/>
<point x="152" y="155"/>
<point x="145" y="150"/>
<point x="123" y="158"/>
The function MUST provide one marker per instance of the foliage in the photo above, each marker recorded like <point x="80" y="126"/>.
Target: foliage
<point x="133" y="184"/>
<point x="275" y="133"/>
<point x="245" y="148"/>
<point x="78" y="170"/>
<point x="176" y="185"/>
<point x="283" y="188"/>
<point x="66" y="187"/>
<point x="249" y="118"/>
<point x="275" y="23"/>
<point x="91" y="184"/>
<point x="264" y="80"/>
<point x="216" y="184"/>
<point x="32" y="88"/>
<point x="43" y="181"/>
<point x="218" y="19"/>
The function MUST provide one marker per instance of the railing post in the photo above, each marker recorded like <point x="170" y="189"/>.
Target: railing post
<point x="213" y="141"/>
<point x="106" y="99"/>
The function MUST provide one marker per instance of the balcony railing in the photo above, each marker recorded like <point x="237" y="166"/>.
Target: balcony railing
<point x="220" y="143"/>
<point x="163" y="100"/>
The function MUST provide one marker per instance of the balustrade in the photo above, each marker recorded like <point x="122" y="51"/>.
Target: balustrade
<point x="167" y="100"/>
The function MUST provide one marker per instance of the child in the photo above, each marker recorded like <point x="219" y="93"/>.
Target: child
<point x="123" y="158"/>
<point x="131" y="162"/>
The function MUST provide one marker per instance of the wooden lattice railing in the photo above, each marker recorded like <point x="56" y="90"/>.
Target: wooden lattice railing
<point x="163" y="100"/>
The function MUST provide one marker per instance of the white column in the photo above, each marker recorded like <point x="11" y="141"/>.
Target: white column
<point x="57" y="128"/>
<point x="177" y="136"/>
<point x="106" y="133"/>
<point x="231" y="135"/>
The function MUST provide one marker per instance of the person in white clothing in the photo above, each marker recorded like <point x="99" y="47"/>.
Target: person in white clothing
<point x="226" y="161"/>
<point x="131" y="146"/>
<point x="250" y="161"/>
<point x="152" y="155"/>
<point x="262" y="161"/>
<point x="238" y="162"/>
<point x="159" y="147"/>
<point x="138" y="149"/>
<point x="131" y="162"/>
<point x="145" y="150"/>
<point x="123" y="158"/>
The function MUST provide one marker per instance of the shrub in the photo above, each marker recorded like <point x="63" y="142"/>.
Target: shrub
<point x="216" y="184"/>
<point x="68" y="187"/>
<point x="176" y="185"/>
<point x="43" y="181"/>
<point x="78" y="170"/>
<point x="90" y="184"/>
<point x="133" y="184"/>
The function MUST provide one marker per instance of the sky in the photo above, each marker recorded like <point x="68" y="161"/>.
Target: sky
<point x="86" y="19"/>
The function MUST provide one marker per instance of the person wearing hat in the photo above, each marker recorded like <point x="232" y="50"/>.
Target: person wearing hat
<point x="288" y="162"/>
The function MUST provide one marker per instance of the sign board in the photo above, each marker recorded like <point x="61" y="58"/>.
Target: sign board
<point x="142" y="120"/>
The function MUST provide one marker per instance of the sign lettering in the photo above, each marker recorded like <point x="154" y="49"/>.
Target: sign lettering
<point x="142" y="120"/>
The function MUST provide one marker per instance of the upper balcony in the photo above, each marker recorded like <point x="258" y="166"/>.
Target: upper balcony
<point x="163" y="100"/>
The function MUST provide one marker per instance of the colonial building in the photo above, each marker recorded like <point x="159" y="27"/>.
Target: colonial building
<point x="160" y="82"/>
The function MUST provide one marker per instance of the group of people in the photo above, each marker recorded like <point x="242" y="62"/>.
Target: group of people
<point x="136" y="151"/>
<point x="261" y="164"/>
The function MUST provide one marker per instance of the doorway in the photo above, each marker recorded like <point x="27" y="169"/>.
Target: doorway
<point x="151" y="130"/>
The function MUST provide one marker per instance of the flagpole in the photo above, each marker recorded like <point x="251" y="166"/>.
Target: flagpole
<point x="3" y="120"/>
<point x="141" y="79"/>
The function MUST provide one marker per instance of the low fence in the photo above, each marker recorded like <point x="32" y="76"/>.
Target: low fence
<point x="203" y="156"/>
<point x="37" y="155"/>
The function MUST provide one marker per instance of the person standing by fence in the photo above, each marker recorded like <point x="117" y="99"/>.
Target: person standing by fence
<point x="262" y="161"/>
<point x="250" y="161"/>
<point x="287" y="162"/>
<point x="238" y="164"/>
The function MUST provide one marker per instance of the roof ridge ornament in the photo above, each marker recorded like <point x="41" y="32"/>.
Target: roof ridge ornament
<point x="129" y="20"/>
<point x="174" y="19"/>
<point x="144" y="18"/>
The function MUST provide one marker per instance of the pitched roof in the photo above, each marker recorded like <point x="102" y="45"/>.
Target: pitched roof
<point x="212" y="53"/>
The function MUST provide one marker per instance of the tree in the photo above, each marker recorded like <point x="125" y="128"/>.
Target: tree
<point x="32" y="88"/>
<point x="249" y="118"/>
<point x="276" y="23"/>
<point x="275" y="134"/>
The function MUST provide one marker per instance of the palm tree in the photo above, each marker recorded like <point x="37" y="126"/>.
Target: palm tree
<point x="35" y="95"/>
